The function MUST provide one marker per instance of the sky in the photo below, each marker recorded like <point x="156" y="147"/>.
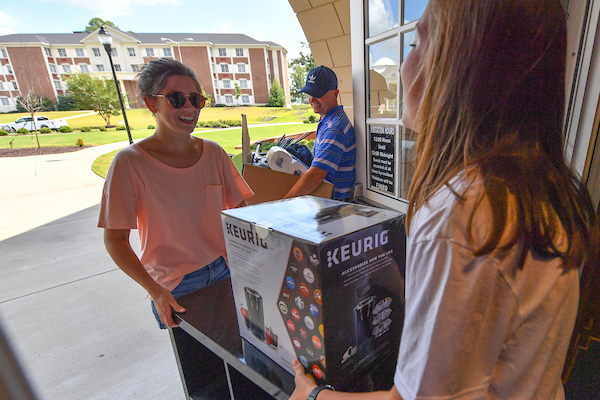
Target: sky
<point x="263" y="20"/>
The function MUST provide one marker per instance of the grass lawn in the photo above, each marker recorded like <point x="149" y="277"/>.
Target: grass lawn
<point x="227" y="138"/>
<point x="140" y="118"/>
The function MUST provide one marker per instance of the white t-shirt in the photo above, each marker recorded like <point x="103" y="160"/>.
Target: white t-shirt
<point x="478" y="327"/>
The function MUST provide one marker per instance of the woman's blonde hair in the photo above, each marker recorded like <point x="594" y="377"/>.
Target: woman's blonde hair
<point x="492" y="103"/>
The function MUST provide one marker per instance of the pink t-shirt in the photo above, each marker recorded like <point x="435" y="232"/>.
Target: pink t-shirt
<point x="176" y="210"/>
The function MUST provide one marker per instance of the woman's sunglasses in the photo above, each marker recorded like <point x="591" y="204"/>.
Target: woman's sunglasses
<point x="177" y="99"/>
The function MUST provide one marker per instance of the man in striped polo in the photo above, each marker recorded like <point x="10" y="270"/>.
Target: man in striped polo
<point x="335" y="148"/>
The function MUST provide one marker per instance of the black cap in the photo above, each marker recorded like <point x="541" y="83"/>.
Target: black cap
<point x="319" y="81"/>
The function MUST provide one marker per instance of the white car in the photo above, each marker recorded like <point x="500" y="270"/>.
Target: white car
<point x="40" y="122"/>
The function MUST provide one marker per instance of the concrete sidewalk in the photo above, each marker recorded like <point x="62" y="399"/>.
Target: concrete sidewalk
<point x="80" y="327"/>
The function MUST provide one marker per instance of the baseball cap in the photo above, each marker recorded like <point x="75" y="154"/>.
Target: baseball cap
<point x="319" y="81"/>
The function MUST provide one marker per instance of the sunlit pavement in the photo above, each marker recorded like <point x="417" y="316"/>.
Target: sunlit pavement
<point x="80" y="328"/>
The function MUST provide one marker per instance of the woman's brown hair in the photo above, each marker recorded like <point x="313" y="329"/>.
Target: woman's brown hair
<point x="492" y="104"/>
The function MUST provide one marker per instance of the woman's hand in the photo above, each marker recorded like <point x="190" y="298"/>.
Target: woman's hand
<point x="304" y="384"/>
<point x="165" y="303"/>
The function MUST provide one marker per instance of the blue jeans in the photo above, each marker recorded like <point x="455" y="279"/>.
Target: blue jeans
<point x="207" y="275"/>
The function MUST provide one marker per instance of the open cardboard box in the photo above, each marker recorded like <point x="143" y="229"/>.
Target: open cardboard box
<point x="269" y="185"/>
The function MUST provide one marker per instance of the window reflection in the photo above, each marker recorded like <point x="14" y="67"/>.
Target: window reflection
<point x="407" y="39"/>
<point x="383" y="79"/>
<point x="413" y="9"/>
<point x="383" y="16"/>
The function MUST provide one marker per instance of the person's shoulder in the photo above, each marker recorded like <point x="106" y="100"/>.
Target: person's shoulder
<point x="212" y="146"/>
<point x="213" y="149"/>
<point x="447" y="211"/>
<point x="129" y="153"/>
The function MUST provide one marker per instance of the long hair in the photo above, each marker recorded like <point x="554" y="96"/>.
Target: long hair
<point x="492" y="104"/>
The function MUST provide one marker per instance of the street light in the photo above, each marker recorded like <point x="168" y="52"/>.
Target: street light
<point x="167" y="40"/>
<point x="106" y="40"/>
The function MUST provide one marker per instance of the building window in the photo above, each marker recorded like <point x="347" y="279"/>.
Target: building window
<point x="1" y="85"/>
<point x="96" y="52"/>
<point x="9" y="68"/>
<point x="118" y="67"/>
<point x="239" y="52"/>
<point x="4" y="55"/>
<point x="390" y="30"/>
<point x="100" y="68"/>
<point x="84" y="68"/>
<point x="245" y="99"/>
<point x="167" y="52"/>
<point x="79" y="53"/>
<point x="149" y="52"/>
<point x="48" y="51"/>
<point x="131" y="51"/>
<point x="62" y="53"/>
<point x="113" y="52"/>
<point x="224" y="68"/>
<point x="66" y="68"/>
<point x="222" y="53"/>
<point x="227" y="84"/>
<point x="228" y="99"/>
<point x="135" y="68"/>
<point x="57" y="85"/>
<point x="5" y="101"/>
<point x="15" y="85"/>
<point x="244" y="84"/>
<point x="52" y="68"/>
<point x="241" y="67"/>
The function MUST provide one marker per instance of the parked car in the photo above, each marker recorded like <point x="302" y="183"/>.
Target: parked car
<point x="6" y="127"/>
<point x="40" y="122"/>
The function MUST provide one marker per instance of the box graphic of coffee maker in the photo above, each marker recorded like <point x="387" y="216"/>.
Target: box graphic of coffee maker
<point x="320" y="281"/>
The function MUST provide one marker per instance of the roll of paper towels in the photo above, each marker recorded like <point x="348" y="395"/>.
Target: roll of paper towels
<point x="280" y="159"/>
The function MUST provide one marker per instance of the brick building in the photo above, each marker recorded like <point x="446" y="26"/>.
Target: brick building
<point x="41" y="62"/>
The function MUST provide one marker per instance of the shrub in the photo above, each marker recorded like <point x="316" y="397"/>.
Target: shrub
<point x="102" y="128"/>
<point x="153" y="127"/>
<point x="231" y="122"/>
<point x="65" y="129"/>
<point x="79" y="142"/>
<point x="85" y="129"/>
<point x="121" y="128"/>
<point x="312" y="118"/>
<point x="22" y="131"/>
<point x="45" y="130"/>
<point x="3" y="132"/>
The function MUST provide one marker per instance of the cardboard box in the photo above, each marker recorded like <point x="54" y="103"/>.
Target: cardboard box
<point x="318" y="280"/>
<point x="269" y="185"/>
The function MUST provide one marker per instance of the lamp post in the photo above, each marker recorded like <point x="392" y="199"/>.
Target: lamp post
<point x="106" y="40"/>
<point x="167" y="40"/>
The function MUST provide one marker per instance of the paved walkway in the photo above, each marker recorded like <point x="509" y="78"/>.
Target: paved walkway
<point x="79" y="326"/>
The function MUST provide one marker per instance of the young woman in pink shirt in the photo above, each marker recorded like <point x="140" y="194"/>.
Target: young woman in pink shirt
<point x="172" y="187"/>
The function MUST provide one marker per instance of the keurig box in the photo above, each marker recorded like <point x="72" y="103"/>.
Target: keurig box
<point x="320" y="281"/>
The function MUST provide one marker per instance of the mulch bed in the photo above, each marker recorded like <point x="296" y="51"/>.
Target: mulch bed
<point x="34" y="151"/>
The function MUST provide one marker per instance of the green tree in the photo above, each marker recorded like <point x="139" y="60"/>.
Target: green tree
<point x="238" y="90"/>
<point x="32" y="103"/>
<point x="276" y="95"/>
<point x="300" y="67"/>
<point x="98" y="94"/>
<point x="96" y="23"/>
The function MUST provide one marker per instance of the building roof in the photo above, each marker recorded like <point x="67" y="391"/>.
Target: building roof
<point x="147" y="38"/>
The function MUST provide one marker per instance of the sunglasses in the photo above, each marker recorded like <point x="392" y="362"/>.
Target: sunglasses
<point x="177" y="99"/>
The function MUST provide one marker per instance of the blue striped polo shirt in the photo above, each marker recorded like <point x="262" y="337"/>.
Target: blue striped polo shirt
<point x="335" y="151"/>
